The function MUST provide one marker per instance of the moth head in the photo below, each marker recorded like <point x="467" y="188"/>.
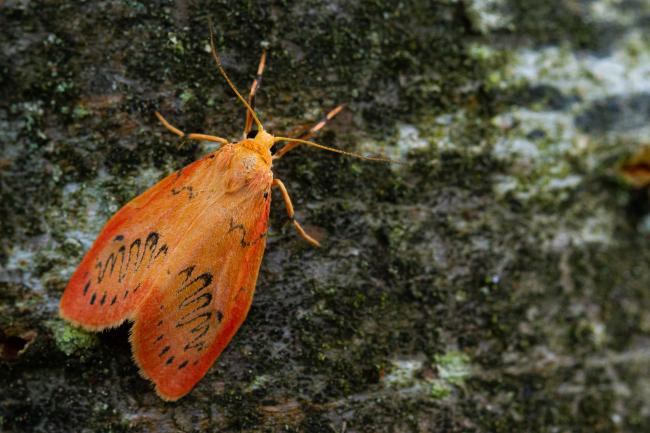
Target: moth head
<point x="260" y="142"/>
<point x="263" y="139"/>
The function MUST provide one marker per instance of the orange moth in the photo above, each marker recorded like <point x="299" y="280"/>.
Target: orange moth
<point x="181" y="260"/>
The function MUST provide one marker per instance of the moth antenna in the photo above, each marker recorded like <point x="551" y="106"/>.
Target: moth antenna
<point x="232" y="86"/>
<point x="335" y="150"/>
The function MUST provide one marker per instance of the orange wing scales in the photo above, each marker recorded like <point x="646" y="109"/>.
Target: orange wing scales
<point x="101" y="294"/>
<point x="181" y="261"/>
<point x="169" y="341"/>
<point x="179" y="332"/>
<point x="114" y="277"/>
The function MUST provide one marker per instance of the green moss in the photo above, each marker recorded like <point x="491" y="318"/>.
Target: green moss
<point x="72" y="340"/>
<point x="440" y="390"/>
<point x="186" y="96"/>
<point x="81" y="112"/>
<point x="453" y="367"/>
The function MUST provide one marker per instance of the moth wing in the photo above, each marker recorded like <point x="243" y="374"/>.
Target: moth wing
<point x="193" y="312"/>
<point x="114" y="277"/>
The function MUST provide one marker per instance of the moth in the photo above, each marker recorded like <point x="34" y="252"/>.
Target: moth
<point x="181" y="260"/>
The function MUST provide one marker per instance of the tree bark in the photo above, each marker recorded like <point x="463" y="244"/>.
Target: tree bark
<point x="496" y="281"/>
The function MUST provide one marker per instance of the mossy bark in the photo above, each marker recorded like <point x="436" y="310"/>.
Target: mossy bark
<point x="495" y="282"/>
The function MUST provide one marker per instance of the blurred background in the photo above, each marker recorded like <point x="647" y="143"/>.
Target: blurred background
<point x="496" y="282"/>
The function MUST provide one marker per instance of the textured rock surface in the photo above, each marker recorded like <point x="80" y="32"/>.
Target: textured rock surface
<point x="498" y="282"/>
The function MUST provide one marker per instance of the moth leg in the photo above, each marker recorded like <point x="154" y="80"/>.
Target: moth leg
<point x="192" y="136"/>
<point x="310" y="132"/>
<point x="287" y="202"/>
<point x="257" y="82"/>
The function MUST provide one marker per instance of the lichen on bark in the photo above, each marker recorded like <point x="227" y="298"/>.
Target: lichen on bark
<point x="496" y="282"/>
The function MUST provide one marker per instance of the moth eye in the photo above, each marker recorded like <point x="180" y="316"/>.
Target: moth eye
<point x="252" y="133"/>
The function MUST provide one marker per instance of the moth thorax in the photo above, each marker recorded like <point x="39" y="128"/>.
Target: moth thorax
<point x="260" y="144"/>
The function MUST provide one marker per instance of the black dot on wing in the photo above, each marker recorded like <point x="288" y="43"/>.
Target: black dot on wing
<point x="182" y="365"/>
<point x="92" y="298"/>
<point x="159" y="323"/>
<point x="126" y="293"/>
<point x="164" y="350"/>
<point x="170" y="360"/>
<point x="86" y="288"/>
<point x="103" y="300"/>
<point x="219" y="316"/>
<point x="114" y="300"/>
<point x="160" y="337"/>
